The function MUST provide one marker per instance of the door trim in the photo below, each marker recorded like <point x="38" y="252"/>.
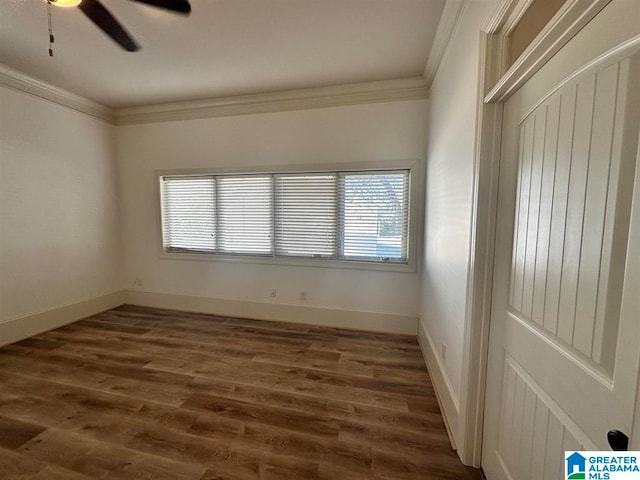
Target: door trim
<point x="569" y="20"/>
<point x="480" y="273"/>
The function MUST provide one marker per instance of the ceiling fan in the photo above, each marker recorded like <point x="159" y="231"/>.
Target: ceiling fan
<point x="98" y="14"/>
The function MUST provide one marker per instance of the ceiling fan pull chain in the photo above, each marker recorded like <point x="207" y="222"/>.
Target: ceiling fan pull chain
<point x="51" y="38"/>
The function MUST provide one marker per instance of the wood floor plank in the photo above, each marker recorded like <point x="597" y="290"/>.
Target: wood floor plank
<point x="308" y="361"/>
<point x="38" y="411"/>
<point x="392" y="440"/>
<point x="16" y="432"/>
<point x="191" y="449"/>
<point x="291" y="380"/>
<point x="96" y="459"/>
<point x="277" y="470"/>
<point x="137" y="392"/>
<point x="408" y="466"/>
<point x="278" y="417"/>
<point x="324" y="406"/>
<point x="15" y="466"/>
<point x="350" y="455"/>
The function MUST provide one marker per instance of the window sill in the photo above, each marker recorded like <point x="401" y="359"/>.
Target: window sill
<point x="409" y="267"/>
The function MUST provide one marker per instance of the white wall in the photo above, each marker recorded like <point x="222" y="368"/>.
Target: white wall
<point x="374" y="132"/>
<point x="449" y="190"/>
<point x="59" y="228"/>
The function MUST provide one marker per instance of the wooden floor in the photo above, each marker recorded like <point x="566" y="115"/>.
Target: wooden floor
<point x="138" y="393"/>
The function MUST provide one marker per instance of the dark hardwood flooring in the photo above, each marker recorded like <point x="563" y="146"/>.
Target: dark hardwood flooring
<point x="139" y="393"/>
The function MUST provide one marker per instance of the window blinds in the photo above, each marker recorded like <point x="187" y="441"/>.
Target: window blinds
<point x="306" y="215"/>
<point x="188" y="214"/>
<point x="360" y="215"/>
<point x="374" y="211"/>
<point x="245" y="209"/>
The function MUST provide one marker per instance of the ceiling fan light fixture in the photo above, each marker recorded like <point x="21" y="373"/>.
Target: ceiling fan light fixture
<point x="65" y="3"/>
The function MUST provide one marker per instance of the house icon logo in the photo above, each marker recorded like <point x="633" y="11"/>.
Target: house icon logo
<point x="576" y="467"/>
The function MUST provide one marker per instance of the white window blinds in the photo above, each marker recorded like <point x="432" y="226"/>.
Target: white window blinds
<point x="306" y="215"/>
<point x="188" y="214"/>
<point x="361" y="215"/>
<point x="245" y="210"/>
<point x="375" y="215"/>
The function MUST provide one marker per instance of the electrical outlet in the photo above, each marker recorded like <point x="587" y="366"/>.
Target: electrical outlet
<point x="137" y="282"/>
<point x="303" y="296"/>
<point x="273" y="293"/>
<point x="443" y="351"/>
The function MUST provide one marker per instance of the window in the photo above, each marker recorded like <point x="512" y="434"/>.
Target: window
<point x="306" y="215"/>
<point x="189" y="207"/>
<point x="360" y="215"/>
<point x="245" y="214"/>
<point x="374" y="215"/>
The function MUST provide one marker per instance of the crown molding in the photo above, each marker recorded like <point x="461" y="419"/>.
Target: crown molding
<point x="448" y="22"/>
<point x="24" y="83"/>
<point x="414" y="88"/>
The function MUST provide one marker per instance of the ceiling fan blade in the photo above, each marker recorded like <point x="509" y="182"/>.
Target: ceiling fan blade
<point x="178" y="6"/>
<point x="108" y="24"/>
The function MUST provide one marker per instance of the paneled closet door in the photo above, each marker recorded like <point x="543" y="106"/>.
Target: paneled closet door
<point x="565" y="331"/>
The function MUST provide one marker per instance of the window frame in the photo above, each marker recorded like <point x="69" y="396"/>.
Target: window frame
<point x="415" y="213"/>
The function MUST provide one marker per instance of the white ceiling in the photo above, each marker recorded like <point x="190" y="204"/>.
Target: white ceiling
<point x="226" y="47"/>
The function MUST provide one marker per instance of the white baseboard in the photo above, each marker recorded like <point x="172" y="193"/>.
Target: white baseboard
<point x="445" y="394"/>
<point x="312" y="315"/>
<point x="16" y="329"/>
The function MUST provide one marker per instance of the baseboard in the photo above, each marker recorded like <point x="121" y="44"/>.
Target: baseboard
<point x="17" y="329"/>
<point x="312" y="315"/>
<point x="445" y="394"/>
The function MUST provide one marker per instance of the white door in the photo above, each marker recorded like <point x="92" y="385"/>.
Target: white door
<point x="565" y="329"/>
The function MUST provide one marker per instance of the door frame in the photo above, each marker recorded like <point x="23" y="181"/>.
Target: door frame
<point x="496" y="84"/>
